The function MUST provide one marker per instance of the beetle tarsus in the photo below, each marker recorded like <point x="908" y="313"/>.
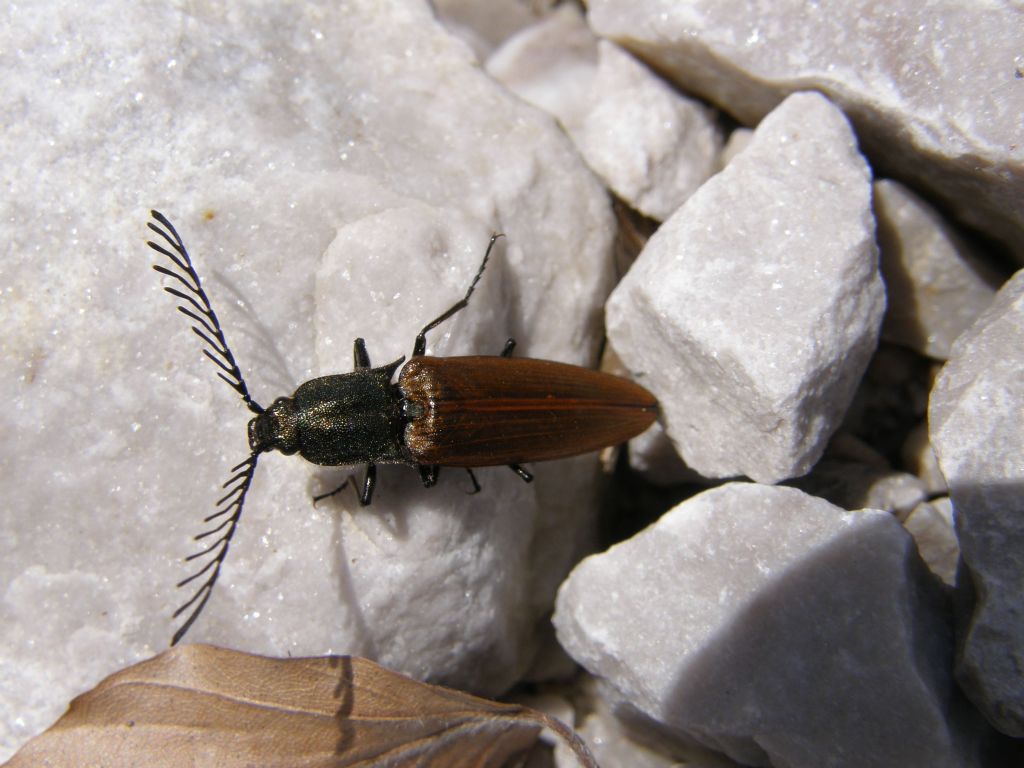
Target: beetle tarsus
<point x="420" y="346"/>
<point x="476" y="485"/>
<point x="509" y="346"/>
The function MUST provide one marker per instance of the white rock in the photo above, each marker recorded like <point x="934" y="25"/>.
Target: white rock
<point x="634" y="741"/>
<point x="976" y="416"/>
<point x="931" y="525"/>
<point x="753" y="311"/>
<point x="485" y="26"/>
<point x="653" y="456"/>
<point x="933" y="90"/>
<point x="734" y="145"/>
<point x="649" y="144"/>
<point x="336" y="173"/>
<point x="773" y="626"/>
<point x="936" y="286"/>
<point x="551" y="64"/>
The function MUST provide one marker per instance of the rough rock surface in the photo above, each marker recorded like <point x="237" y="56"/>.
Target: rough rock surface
<point x="933" y="89"/>
<point x="976" y="416"/>
<point x="336" y="172"/>
<point x="754" y="327"/>
<point x="931" y="525"/>
<point x="713" y="620"/>
<point x="652" y="146"/>
<point x="935" y="283"/>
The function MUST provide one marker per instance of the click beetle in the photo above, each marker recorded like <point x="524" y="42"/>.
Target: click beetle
<point x="477" y="411"/>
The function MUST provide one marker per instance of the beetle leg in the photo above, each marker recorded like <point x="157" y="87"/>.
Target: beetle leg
<point x="472" y="479"/>
<point x="509" y="346"/>
<point x="527" y="477"/>
<point x="362" y="357"/>
<point x="365" y="496"/>
<point x="369" y="482"/>
<point x="428" y="473"/>
<point x="420" y="346"/>
<point x="339" y="489"/>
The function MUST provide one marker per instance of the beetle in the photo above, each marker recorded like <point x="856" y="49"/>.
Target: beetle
<point x="474" y="411"/>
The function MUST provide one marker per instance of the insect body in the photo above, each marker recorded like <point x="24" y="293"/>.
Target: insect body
<point x="465" y="412"/>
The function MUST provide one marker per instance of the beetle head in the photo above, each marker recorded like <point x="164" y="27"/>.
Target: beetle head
<point x="275" y="429"/>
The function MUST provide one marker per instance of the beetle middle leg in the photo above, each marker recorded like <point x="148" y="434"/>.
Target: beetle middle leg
<point x="420" y="346"/>
<point x="364" y="496"/>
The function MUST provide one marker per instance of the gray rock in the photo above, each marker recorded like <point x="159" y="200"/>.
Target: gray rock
<point x="773" y="626"/>
<point x="934" y="90"/>
<point x="931" y="525"/>
<point x="917" y="455"/>
<point x="753" y="311"/>
<point x="976" y="416"/>
<point x="936" y="285"/>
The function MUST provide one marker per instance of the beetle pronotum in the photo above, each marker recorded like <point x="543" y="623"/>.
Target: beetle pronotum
<point x="477" y="411"/>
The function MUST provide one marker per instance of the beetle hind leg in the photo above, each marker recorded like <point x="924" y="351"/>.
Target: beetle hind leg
<point x="527" y="476"/>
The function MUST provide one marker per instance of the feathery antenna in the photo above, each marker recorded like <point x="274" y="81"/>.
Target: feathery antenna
<point x="231" y="511"/>
<point x="209" y="329"/>
<point x="196" y="306"/>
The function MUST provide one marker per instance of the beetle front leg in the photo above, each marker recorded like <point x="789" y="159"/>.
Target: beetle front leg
<point x="360" y="355"/>
<point x="509" y="346"/>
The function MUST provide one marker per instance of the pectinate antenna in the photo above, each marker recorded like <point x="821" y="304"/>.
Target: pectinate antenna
<point x="197" y="306"/>
<point x="223" y="521"/>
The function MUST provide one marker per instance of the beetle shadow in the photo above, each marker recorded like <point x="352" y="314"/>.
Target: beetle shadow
<point x="364" y="637"/>
<point x="344" y="692"/>
<point x="263" y="346"/>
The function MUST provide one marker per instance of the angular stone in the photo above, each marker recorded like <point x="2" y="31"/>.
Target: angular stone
<point x="753" y="311"/>
<point x="976" y="416"/>
<point x="934" y="91"/>
<point x="931" y="525"/>
<point x="935" y="284"/>
<point x="773" y="626"/>
<point x="851" y="485"/>
<point x="649" y="144"/>
<point x="485" y="26"/>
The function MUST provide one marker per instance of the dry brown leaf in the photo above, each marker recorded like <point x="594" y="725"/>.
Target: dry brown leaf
<point x="199" y="705"/>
